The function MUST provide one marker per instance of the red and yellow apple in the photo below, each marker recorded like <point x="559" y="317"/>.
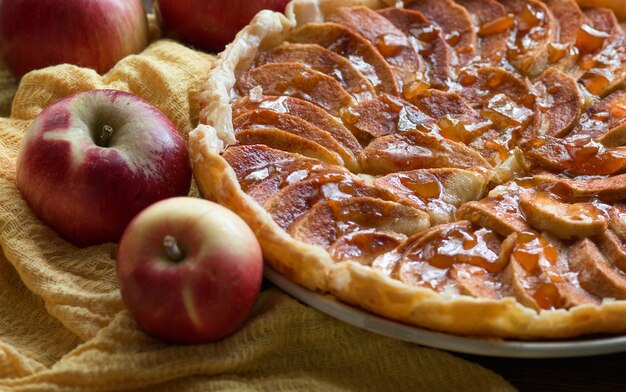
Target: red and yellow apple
<point x="90" y="162"/>
<point x="89" y="33"/>
<point x="209" y="25"/>
<point x="189" y="270"/>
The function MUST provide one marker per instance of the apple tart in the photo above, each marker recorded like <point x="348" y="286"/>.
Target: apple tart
<point x="454" y="165"/>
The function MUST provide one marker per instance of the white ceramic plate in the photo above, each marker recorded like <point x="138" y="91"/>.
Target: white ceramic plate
<point x="490" y="347"/>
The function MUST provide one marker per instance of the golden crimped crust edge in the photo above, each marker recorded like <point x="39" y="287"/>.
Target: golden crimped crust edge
<point x="311" y="266"/>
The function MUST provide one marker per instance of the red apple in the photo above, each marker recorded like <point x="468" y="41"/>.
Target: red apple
<point x="92" y="161"/>
<point x="189" y="270"/>
<point x="89" y="33"/>
<point x="209" y="25"/>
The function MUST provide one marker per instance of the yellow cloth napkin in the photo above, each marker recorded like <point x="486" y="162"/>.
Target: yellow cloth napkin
<point x="63" y="325"/>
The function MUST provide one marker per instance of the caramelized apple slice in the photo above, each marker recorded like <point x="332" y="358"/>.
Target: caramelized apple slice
<point x="613" y="248"/>
<point x="595" y="274"/>
<point x="282" y="140"/>
<point x="503" y="98"/>
<point x="604" y="19"/>
<point x="328" y="220"/>
<point x="562" y="220"/>
<point x="618" y="220"/>
<point x="604" y="120"/>
<point x="576" y="156"/>
<point x="608" y="189"/>
<point x="538" y="273"/>
<point x="262" y="171"/>
<point x="477" y="282"/>
<point x="428" y="260"/>
<point x="384" y="115"/>
<point x="437" y="191"/>
<point x="499" y="211"/>
<point x="364" y="246"/>
<point x="307" y="111"/>
<point x="570" y="20"/>
<point x="356" y="49"/>
<point x="324" y="61"/>
<point x="429" y="41"/>
<point x="605" y="71"/>
<point x="535" y="29"/>
<point x="390" y="42"/>
<point x="455" y="118"/>
<point x="494" y="26"/>
<point x="559" y="100"/>
<point x="293" y="201"/>
<point x="267" y="119"/>
<point x="454" y="21"/>
<point x="299" y="81"/>
<point x="417" y="150"/>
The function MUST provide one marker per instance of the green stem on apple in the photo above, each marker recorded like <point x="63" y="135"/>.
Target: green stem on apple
<point x="104" y="138"/>
<point x="172" y="250"/>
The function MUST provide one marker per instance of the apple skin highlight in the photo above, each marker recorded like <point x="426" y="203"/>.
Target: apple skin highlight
<point x="96" y="34"/>
<point x="208" y="293"/>
<point x="87" y="193"/>
<point x="209" y="25"/>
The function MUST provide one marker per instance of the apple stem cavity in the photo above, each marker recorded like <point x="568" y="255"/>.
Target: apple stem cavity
<point x="105" y="136"/>
<point x="172" y="250"/>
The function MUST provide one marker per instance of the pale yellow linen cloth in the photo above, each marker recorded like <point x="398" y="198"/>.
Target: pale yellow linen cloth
<point x="63" y="325"/>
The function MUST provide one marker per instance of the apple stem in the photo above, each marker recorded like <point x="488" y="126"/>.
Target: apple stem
<point x="172" y="250"/>
<point x="104" y="139"/>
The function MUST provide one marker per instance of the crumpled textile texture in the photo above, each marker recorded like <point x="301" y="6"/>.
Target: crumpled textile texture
<point x="63" y="325"/>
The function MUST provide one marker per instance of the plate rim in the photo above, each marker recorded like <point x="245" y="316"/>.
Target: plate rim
<point x="328" y="304"/>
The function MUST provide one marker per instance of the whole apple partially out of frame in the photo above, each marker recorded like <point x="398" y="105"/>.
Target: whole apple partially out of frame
<point x="189" y="270"/>
<point x="95" y="34"/>
<point x="209" y="24"/>
<point x="92" y="161"/>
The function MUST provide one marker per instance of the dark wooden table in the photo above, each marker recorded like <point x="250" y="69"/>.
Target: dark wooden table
<point x="597" y="373"/>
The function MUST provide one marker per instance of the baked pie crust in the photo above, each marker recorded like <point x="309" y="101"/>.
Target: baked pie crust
<point x="451" y="165"/>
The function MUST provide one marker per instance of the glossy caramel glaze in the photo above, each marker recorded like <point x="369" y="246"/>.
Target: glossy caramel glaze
<point x="479" y="152"/>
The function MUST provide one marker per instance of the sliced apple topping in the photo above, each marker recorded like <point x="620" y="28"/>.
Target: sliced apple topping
<point x="307" y="111"/>
<point x="570" y="19"/>
<point x="604" y="71"/>
<point x="324" y="61"/>
<point x="263" y="171"/>
<point x="613" y="248"/>
<point x="575" y="156"/>
<point x="437" y="191"/>
<point x="283" y="140"/>
<point x="390" y="42"/>
<point x="595" y="274"/>
<point x="493" y="24"/>
<point x="456" y="120"/>
<point x="356" y="49"/>
<point x="267" y="119"/>
<point x="538" y="274"/>
<point x="329" y="220"/>
<point x="294" y="200"/>
<point x="430" y="257"/>
<point x="299" y="81"/>
<point x="563" y="220"/>
<point x="535" y="29"/>
<point x="605" y="120"/>
<point x="559" y="100"/>
<point x="607" y="189"/>
<point x="499" y="211"/>
<point x="418" y="150"/>
<point x="604" y="19"/>
<point x="504" y="99"/>
<point x="364" y="246"/>
<point x="385" y="115"/>
<point x="430" y="42"/>
<point x="454" y="21"/>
